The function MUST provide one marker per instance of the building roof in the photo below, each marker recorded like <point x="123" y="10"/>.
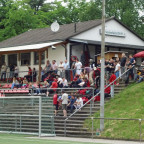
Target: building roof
<point x="44" y="35"/>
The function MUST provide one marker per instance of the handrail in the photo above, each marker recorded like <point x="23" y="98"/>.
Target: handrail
<point x="97" y="94"/>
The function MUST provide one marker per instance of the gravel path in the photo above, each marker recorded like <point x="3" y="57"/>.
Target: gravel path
<point x="103" y="141"/>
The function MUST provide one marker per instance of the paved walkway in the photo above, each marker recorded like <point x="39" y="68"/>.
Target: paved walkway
<point x="103" y="141"/>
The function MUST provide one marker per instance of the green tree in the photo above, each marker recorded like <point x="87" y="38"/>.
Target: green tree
<point x="19" y="19"/>
<point x="35" y="4"/>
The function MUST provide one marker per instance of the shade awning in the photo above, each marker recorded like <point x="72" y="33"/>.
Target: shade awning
<point x="33" y="47"/>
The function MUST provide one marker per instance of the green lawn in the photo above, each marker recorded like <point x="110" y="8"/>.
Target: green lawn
<point x="25" y="139"/>
<point x="127" y="104"/>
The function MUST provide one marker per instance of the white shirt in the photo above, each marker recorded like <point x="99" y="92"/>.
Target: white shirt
<point x="66" y="65"/>
<point x="65" y="83"/>
<point x="117" y="67"/>
<point x="78" y="66"/>
<point x="79" y="102"/>
<point x="60" y="80"/>
<point x="54" y="66"/>
<point x="65" y="98"/>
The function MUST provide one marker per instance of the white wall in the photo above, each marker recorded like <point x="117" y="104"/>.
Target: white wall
<point x="94" y="35"/>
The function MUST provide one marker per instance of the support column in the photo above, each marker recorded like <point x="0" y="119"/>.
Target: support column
<point x="39" y="78"/>
<point x="102" y="69"/>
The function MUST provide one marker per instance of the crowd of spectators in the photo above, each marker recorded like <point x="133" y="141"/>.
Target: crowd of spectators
<point x="64" y="75"/>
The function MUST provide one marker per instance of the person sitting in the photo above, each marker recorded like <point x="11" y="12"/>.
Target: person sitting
<point x="36" y="88"/>
<point x="81" y="84"/>
<point x="139" y="78"/>
<point x="65" y="83"/>
<point x="25" y="83"/>
<point x="71" y="103"/>
<point x="45" y="86"/>
<point x="79" y="103"/>
<point x="60" y="82"/>
<point x="53" y="86"/>
<point x="15" y="83"/>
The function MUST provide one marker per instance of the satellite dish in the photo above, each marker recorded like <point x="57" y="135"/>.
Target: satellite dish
<point x="55" y="27"/>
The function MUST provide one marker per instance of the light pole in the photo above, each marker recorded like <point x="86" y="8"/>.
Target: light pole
<point x="102" y="68"/>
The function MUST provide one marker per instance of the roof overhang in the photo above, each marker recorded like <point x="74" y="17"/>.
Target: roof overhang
<point x="30" y="48"/>
<point x="107" y="44"/>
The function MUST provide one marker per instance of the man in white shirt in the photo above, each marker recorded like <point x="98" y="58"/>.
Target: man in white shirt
<point x="54" y="66"/>
<point x="65" y="83"/>
<point x="78" y="103"/>
<point x="3" y="71"/>
<point x="78" y="66"/>
<point x="117" y="71"/>
<point x="66" y="69"/>
<point x="64" y="103"/>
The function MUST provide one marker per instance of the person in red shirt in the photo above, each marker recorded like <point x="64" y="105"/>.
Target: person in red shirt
<point x="112" y="78"/>
<point x="53" y="86"/>
<point x="29" y="76"/>
<point x="55" y="102"/>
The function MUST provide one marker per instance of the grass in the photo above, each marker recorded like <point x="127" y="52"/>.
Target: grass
<point x="127" y="104"/>
<point x="23" y="139"/>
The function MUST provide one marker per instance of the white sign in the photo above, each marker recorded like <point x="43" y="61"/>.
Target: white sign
<point x="113" y="33"/>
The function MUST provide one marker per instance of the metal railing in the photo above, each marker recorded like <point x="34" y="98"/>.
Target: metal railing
<point x="132" y="126"/>
<point x="92" y="99"/>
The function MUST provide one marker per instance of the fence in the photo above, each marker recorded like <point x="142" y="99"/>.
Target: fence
<point x="27" y="115"/>
<point x="115" y="128"/>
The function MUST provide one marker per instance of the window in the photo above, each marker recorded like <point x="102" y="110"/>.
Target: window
<point x="25" y="59"/>
<point x="36" y="58"/>
<point x="12" y="59"/>
<point x="2" y="60"/>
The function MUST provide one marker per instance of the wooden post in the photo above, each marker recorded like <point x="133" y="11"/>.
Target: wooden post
<point x="19" y="57"/>
<point x="39" y="78"/>
<point x="47" y="53"/>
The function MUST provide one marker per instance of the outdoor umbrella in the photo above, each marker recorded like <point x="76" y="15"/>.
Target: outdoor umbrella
<point x="139" y="55"/>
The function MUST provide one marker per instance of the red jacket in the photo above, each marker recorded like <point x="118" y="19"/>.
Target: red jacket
<point x="107" y="90"/>
<point x="112" y="78"/>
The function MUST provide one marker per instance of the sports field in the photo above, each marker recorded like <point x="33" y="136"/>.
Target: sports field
<point x="21" y="139"/>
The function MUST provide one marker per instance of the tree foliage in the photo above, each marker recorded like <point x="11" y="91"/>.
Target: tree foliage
<point x="18" y="16"/>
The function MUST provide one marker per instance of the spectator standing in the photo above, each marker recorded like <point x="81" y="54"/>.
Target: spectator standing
<point x="64" y="103"/>
<point x="47" y="69"/>
<point x="78" y="66"/>
<point x="132" y="62"/>
<point x="112" y="78"/>
<point x="11" y="71"/>
<point x="29" y="76"/>
<point x="16" y="71"/>
<point x="123" y="65"/>
<point x="60" y="67"/>
<point x="66" y="69"/>
<point x="3" y="71"/>
<point x="54" y="66"/>
<point x="34" y="74"/>
<point x="117" y="71"/>
<point x="73" y="68"/>
<point x="55" y="103"/>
